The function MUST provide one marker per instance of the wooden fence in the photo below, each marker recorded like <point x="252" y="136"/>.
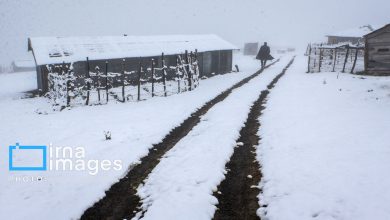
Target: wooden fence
<point x="340" y="58"/>
<point x="100" y="86"/>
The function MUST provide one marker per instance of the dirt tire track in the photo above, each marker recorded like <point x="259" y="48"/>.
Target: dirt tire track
<point x="237" y="193"/>
<point x="121" y="201"/>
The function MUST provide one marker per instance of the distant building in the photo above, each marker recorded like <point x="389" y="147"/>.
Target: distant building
<point x="377" y="52"/>
<point x="351" y="35"/>
<point x="251" y="49"/>
<point x="23" y="65"/>
<point x="290" y="49"/>
<point x="214" y="54"/>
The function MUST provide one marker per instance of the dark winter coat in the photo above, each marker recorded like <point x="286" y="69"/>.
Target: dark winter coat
<point x="264" y="53"/>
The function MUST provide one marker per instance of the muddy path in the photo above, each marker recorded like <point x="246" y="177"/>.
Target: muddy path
<point x="238" y="193"/>
<point x="121" y="201"/>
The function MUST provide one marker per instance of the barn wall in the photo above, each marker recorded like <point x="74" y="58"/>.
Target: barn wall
<point x="200" y="64"/>
<point x="225" y="61"/>
<point x="40" y="79"/>
<point x="210" y="63"/>
<point x="207" y="64"/>
<point x="378" y="53"/>
<point x="215" y="62"/>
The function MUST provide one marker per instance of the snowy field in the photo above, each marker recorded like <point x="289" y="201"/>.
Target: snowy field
<point x="325" y="147"/>
<point x="134" y="127"/>
<point x="12" y="85"/>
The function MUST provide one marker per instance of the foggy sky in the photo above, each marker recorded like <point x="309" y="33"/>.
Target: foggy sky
<point x="280" y="22"/>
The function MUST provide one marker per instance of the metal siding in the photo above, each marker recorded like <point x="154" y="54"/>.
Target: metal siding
<point x="225" y="61"/>
<point x="215" y="62"/>
<point x="45" y="82"/>
<point x="207" y="63"/>
<point x="200" y="64"/>
<point x="39" y="78"/>
<point x="229" y="60"/>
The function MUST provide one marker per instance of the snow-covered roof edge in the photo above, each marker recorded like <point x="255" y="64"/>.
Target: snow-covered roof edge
<point x="355" y="32"/>
<point x="377" y="30"/>
<point x="51" y="50"/>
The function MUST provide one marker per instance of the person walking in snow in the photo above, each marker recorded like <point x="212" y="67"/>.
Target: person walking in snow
<point x="264" y="54"/>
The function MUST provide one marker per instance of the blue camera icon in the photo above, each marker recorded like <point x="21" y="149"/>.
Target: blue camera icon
<point x="27" y="158"/>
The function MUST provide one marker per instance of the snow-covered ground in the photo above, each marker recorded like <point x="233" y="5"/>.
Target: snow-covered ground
<point x="12" y="85"/>
<point x="182" y="184"/>
<point x="134" y="127"/>
<point x="325" y="147"/>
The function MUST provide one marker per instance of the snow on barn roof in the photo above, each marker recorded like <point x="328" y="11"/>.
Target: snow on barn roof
<point x="51" y="50"/>
<point x="354" y="32"/>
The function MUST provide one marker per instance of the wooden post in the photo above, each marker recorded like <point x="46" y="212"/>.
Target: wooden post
<point x="64" y="73"/>
<point x="314" y="63"/>
<point x="365" y="55"/>
<point x="182" y="68"/>
<point x="139" y="79"/>
<point x="123" y="81"/>
<point x="88" y="83"/>
<point x="188" y="71"/>
<point x="334" y="59"/>
<point x="346" y="59"/>
<point x="309" y="58"/>
<point x="106" y="72"/>
<point x="320" y="60"/>
<point x="190" y="68"/>
<point x="307" y="49"/>
<point x="63" y="68"/>
<point x="178" y="75"/>
<point x="354" y="62"/>
<point x="351" y="56"/>
<point x="98" y="82"/>
<point x="68" y="87"/>
<point x="196" y="58"/>
<point x="152" y="77"/>
<point x="163" y="73"/>
<point x="315" y="59"/>
<point x="193" y="68"/>
<point x="196" y="68"/>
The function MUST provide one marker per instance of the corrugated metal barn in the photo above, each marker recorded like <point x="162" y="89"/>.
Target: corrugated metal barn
<point x="214" y="54"/>
<point x="377" y="52"/>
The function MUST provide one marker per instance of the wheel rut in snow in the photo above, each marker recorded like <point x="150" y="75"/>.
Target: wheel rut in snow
<point x="121" y="200"/>
<point x="237" y="193"/>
